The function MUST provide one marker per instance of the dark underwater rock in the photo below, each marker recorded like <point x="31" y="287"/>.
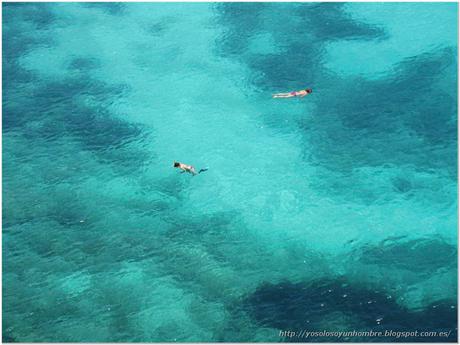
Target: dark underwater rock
<point x="314" y="305"/>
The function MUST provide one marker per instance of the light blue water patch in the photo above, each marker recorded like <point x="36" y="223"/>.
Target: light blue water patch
<point x="351" y="189"/>
<point x="408" y="33"/>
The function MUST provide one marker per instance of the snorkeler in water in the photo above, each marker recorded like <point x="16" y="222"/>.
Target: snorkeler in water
<point x="188" y="168"/>
<point x="300" y="93"/>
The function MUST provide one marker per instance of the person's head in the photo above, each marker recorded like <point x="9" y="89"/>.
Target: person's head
<point x="309" y="90"/>
<point x="176" y="164"/>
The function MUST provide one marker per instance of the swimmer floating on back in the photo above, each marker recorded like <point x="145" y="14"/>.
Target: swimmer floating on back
<point x="300" y="93"/>
<point x="188" y="168"/>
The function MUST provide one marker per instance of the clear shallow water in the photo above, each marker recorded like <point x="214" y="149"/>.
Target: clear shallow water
<point x="352" y="189"/>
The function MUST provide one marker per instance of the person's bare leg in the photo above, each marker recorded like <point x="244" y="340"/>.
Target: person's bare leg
<point x="282" y="95"/>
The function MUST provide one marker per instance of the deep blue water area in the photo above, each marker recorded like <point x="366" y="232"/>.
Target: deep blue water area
<point x="332" y="212"/>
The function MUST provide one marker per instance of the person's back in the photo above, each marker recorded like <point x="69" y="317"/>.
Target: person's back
<point x="300" y="93"/>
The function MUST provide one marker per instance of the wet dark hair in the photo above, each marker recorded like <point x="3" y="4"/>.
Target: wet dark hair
<point x="176" y="164"/>
<point x="309" y="90"/>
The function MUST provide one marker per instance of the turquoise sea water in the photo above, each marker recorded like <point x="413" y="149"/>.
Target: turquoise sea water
<point x="333" y="212"/>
